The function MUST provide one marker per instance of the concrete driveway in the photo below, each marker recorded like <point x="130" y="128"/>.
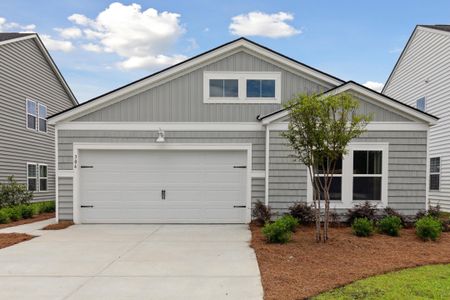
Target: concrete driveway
<point x="133" y="262"/>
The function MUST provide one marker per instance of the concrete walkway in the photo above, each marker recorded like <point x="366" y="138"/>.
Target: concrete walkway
<point x="30" y="228"/>
<point x="133" y="262"/>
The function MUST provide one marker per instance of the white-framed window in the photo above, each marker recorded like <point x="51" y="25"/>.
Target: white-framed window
<point x="43" y="177"/>
<point x="336" y="183"/>
<point x="31" y="114"/>
<point x="36" y="114"/>
<point x="435" y="173"/>
<point x="421" y="104"/>
<point x="241" y="87"/>
<point x="32" y="175"/>
<point x="42" y="118"/>
<point x="37" y="177"/>
<point x="363" y="176"/>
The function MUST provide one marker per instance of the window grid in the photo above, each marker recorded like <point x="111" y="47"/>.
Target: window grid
<point x="435" y="173"/>
<point x="31" y="114"/>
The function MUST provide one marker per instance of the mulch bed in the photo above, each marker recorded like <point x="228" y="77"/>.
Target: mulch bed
<point x="58" y="226"/>
<point x="37" y="218"/>
<point x="303" y="268"/>
<point x="9" y="239"/>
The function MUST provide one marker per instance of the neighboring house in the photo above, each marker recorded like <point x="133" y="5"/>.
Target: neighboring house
<point x="421" y="78"/>
<point x="200" y="141"/>
<point x="31" y="89"/>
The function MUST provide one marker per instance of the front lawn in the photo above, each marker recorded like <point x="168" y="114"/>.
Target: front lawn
<point x="429" y="282"/>
<point x="303" y="268"/>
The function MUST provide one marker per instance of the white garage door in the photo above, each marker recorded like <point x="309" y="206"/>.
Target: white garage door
<point x="170" y="186"/>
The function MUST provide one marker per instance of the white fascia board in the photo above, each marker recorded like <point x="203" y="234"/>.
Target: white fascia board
<point x="144" y="84"/>
<point x="372" y="126"/>
<point x="167" y="126"/>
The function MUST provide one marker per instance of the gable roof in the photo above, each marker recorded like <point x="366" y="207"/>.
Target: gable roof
<point x="192" y="62"/>
<point x="12" y="37"/>
<point x="381" y="99"/>
<point x="444" y="29"/>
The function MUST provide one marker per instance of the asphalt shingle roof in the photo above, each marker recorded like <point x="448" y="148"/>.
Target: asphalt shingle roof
<point x="438" y="27"/>
<point x="4" y="36"/>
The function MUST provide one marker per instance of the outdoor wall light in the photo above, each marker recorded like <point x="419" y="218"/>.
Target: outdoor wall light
<point x="161" y="136"/>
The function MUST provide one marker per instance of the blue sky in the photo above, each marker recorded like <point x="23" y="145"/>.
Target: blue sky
<point x="99" y="47"/>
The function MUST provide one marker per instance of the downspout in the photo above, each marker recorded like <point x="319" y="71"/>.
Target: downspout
<point x="56" y="176"/>
<point x="267" y="163"/>
<point x="427" y="173"/>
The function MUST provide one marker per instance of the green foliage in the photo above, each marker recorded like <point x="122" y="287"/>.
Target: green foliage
<point x="428" y="282"/>
<point x="303" y="212"/>
<point x="364" y="210"/>
<point x="4" y="217"/>
<point x="26" y="211"/>
<point x="14" y="213"/>
<point x="14" y="193"/>
<point x="390" y="225"/>
<point x="433" y="211"/>
<point x="289" y="222"/>
<point x="428" y="228"/>
<point x="262" y="213"/>
<point x="46" y="206"/>
<point x="362" y="227"/>
<point x="276" y="233"/>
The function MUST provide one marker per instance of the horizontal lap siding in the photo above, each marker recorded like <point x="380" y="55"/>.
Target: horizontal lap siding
<point x="406" y="176"/>
<point x="25" y="73"/>
<point x="65" y="194"/>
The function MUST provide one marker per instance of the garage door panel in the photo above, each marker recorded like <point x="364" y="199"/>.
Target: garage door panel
<point x="124" y="186"/>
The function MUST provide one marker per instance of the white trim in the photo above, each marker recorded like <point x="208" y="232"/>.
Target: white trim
<point x="65" y="173"/>
<point x="56" y="177"/>
<point x="144" y="84"/>
<point x="36" y="177"/>
<point x="427" y="174"/>
<point x="147" y="146"/>
<point x="35" y="114"/>
<point x="242" y="78"/>
<point x="39" y="118"/>
<point x="347" y="177"/>
<point x="267" y="167"/>
<point x="372" y="126"/>
<point x="258" y="174"/>
<point x="166" y="126"/>
<point x="374" y="98"/>
<point x="434" y="173"/>
<point x="46" y="177"/>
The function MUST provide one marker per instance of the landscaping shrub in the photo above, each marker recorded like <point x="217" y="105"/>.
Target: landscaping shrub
<point x="26" y="211"/>
<point x="390" y="225"/>
<point x="390" y="212"/>
<point x="4" y="218"/>
<point x="335" y="219"/>
<point x="262" y="213"/>
<point x="365" y="210"/>
<point x="362" y="227"/>
<point x="303" y="212"/>
<point x="14" y="213"/>
<point x="277" y="232"/>
<point x="428" y="228"/>
<point x="13" y="193"/>
<point x="47" y="206"/>
<point x="289" y="222"/>
<point x="433" y="211"/>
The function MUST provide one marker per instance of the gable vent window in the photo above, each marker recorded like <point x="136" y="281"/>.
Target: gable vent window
<point x="36" y="116"/>
<point x="435" y="173"/>
<point x="257" y="88"/>
<point x="420" y="104"/>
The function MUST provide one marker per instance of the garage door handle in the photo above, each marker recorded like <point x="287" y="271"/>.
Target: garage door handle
<point x="86" y="206"/>
<point x="163" y="194"/>
<point x="240" y="206"/>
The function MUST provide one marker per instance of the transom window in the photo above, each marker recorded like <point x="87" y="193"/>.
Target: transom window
<point x="435" y="173"/>
<point x="36" y="116"/>
<point x="242" y="87"/>
<point x="37" y="177"/>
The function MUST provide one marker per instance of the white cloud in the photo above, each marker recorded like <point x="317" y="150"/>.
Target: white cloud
<point x="69" y="33"/>
<point x="56" y="45"/>
<point x="92" y="47"/>
<point x="142" y="38"/>
<point x="376" y="86"/>
<point x="262" y="24"/>
<point x="395" y="50"/>
<point x="12" y="26"/>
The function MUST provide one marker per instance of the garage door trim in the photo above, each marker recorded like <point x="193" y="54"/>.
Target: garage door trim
<point x="166" y="146"/>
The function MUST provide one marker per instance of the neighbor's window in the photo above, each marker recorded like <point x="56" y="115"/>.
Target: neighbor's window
<point x="31" y="114"/>
<point x="367" y="175"/>
<point x="42" y="120"/>
<point x="435" y="173"/>
<point x="225" y="88"/>
<point x="260" y="88"/>
<point x="32" y="176"/>
<point x="420" y="104"/>
<point x="336" y="182"/>
<point x="43" y="178"/>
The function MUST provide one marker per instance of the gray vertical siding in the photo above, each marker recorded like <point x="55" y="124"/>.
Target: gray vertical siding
<point x="65" y="194"/>
<point x="181" y="99"/>
<point x="406" y="176"/>
<point x="25" y="73"/>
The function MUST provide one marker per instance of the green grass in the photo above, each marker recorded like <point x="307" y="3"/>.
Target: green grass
<point x="428" y="282"/>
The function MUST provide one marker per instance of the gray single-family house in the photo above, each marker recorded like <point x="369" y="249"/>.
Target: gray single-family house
<point x="199" y="142"/>
<point x="421" y="78"/>
<point x="31" y="89"/>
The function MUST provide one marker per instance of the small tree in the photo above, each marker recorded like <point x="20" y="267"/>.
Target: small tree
<point x="320" y="128"/>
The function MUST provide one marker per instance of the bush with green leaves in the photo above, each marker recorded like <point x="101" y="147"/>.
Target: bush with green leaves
<point x="433" y="211"/>
<point x="362" y="227"/>
<point x="26" y="211"/>
<point x="14" y="213"/>
<point x="390" y="225"/>
<point x="303" y="212"/>
<point x="276" y="232"/>
<point x="289" y="222"/>
<point x="364" y="210"/>
<point x="4" y="217"/>
<point x="428" y="228"/>
<point x="47" y="206"/>
<point x="14" y="193"/>
<point x="261" y="213"/>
